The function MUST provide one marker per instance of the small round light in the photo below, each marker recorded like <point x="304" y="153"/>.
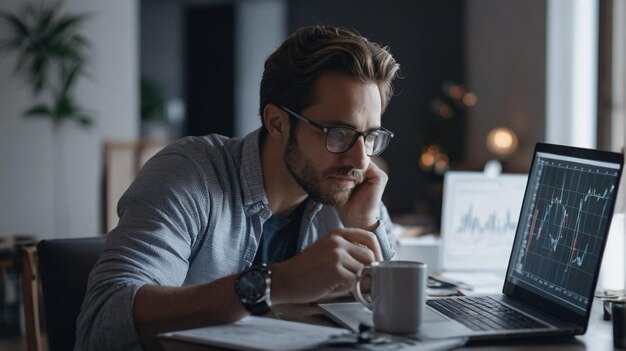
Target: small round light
<point x="427" y="160"/>
<point x="434" y="159"/>
<point x="470" y="99"/>
<point x="501" y="141"/>
<point x="441" y="163"/>
<point x="456" y="91"/>
<point x="446" y="111"/>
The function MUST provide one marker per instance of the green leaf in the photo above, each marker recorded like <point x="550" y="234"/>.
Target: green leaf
<point x="79" y="41"/>
<point x="65" y="52"/>
<point x="11" y="45"/>
<point x="38" y="73"/>
<point x="50" y="54"/>
<point x="46" y="16"/>
<point x="38" y="111"/>
<point x="20" y="28"/>
<point x="84" y="120"/>
<point x="65" y="24"/>
<point x="64" y="107"/>
<point x="68" y="78"/>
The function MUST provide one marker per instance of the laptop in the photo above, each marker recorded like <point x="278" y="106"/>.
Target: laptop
<point x="555" y="259"/>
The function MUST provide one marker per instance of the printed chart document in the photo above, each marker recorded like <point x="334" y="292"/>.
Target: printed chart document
<point x="479" y="215"/>
<point x="259" y="333"/>
<point x="268" y="334"/>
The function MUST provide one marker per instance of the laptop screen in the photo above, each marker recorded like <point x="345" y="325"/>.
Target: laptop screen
<point x="563" y="225"/>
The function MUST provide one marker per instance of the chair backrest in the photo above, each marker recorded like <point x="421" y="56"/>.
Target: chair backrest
<point x="30" y="297"/>
<point x="64" y="267"/>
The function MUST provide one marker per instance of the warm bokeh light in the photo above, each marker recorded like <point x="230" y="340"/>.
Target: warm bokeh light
<point x="470" y="99"/>
<point x="445" y="111"/>
<point x="502" y="141"/>
<point x="456" y="91"/>
<point x="434" y="158"/>
<point x="441" y="163"/>
<point x="427" y="160"/>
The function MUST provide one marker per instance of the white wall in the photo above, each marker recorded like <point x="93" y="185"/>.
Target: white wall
<point x="572" y="69"/>
<point x="50" y="180"/>
<point x="618" y="92"/>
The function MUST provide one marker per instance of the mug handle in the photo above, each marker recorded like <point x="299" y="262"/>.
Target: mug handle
<point x="357" y="286"/>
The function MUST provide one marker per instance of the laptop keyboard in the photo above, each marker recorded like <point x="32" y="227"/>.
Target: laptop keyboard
<point x="483" y="313"/>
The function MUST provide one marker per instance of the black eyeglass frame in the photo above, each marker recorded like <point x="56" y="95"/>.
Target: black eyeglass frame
<point x="357" y="133"/>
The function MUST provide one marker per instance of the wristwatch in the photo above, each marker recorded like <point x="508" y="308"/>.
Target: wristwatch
<point x="253" y="287"/>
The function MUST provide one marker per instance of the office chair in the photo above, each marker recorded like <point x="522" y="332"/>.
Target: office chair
<point x="64" y="267"/>
<point x="30" y="291"/>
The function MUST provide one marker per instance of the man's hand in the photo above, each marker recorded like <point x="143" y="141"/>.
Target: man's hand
<point x="360" y="210"/>
<point x="329" y="265"/>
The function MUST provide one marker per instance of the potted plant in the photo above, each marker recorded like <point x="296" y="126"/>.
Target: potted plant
<point x="51" y="56"/>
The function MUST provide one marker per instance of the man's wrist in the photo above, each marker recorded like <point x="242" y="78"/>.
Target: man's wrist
<point x="374" y="226"/>
<point x="278" y="294"/>
<point x="368" y="224"/>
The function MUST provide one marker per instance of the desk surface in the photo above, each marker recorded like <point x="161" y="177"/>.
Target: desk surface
<point x="599" y="335"/>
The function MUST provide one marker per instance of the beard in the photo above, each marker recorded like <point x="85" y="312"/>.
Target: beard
<point x="316" y="183"/>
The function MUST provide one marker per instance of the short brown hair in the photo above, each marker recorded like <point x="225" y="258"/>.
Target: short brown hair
<point x="293" y="69"/>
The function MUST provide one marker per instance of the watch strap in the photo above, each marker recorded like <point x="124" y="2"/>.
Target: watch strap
<point x="262" y="305"/>
<point x="259" y="308"/>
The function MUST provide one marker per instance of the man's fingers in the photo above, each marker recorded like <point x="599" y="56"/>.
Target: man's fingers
<point x="362" y="253"/>
<point x="362" y="237"/>
<point x="356" y="259"/>
<point x="347" y="279"/>
<point x="376" y="174"/>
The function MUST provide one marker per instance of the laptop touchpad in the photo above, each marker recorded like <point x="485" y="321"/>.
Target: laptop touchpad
<point x="433" y="317"/>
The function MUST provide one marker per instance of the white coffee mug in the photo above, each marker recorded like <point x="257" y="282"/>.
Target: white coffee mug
<point x="398" y="295"/>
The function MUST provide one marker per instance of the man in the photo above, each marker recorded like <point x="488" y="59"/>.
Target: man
<point x="213" y="229"/>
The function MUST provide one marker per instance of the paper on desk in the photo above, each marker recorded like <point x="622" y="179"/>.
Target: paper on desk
<point x="258" y="333"/>
<point x="478" y="283"/>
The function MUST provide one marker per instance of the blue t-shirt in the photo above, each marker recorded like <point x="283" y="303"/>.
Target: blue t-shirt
<point x="279" y="240"/>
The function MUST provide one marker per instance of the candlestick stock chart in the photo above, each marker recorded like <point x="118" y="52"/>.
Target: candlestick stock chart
<point x="564" y="225"/>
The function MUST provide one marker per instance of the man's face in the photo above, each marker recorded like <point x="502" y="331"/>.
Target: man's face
<point x="339" y="101"/>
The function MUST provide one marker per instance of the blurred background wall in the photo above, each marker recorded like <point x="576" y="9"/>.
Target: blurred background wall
<point x="51" y="178"/>
<point x="468" y="67"/>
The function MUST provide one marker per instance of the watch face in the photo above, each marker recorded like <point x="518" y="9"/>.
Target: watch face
<point x="252" y="286"/>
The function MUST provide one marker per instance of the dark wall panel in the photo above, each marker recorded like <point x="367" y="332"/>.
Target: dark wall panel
<point x="209" y="69"/>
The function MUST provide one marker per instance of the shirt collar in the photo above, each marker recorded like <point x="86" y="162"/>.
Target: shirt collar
<point x="251" y="174"/>
<point x="253" y="188"/>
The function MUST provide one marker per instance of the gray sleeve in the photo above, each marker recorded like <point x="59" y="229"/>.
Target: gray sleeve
<point x="161" y="216"/>
<point x="384" y="233"/>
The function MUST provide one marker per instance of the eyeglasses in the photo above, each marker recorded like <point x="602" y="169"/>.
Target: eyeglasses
<point x="340" y="139"/>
